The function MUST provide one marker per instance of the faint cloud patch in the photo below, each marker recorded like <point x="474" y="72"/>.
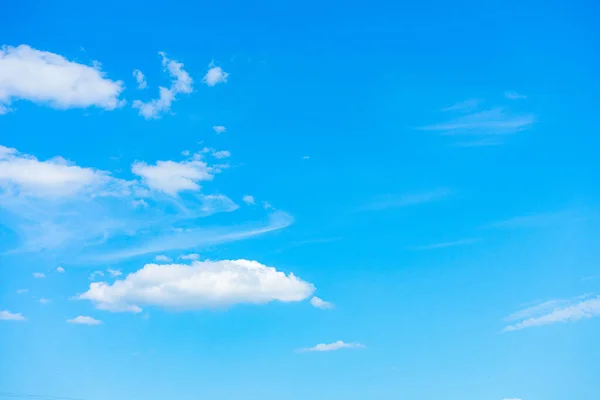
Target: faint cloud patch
<point x="405" y="200"/>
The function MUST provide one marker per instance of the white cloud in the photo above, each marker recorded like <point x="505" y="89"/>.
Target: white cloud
<point x="514" y="96"/>
<point x="172" y="177"/>
<point x="267" y="205"/>
<point x="306" y="157"/>
<point x="333" y="346"/>
<point x="446" y="244"/>
<point x="320" y="303"/>
<point x="21" y="291"/>
<point x="26" y="175"/>
<point x="96" y="274"/>
<point x="8" y="316"/>
<point x="495" y="121"/>
<point x="192" y="256"/>
<point x="39" y="275"/>
<point x="60" y="270"/>
<point x="185" y="153"/>
<point x="215" y="75"/>
<point x="219" y="129"/>
<point x="114" y="272"/>
<point x="84" y="320"/>
<point x="406" y="200"/>
<point x="48" y="78"/>
<point x="162" y="258"/>
<point x="203" y="284"/>
<point x="44" y="301"/>
<point x="221" y="154"/>
<point x="248" y="199"/>
<point x="556" y="311"/>
<point x="140" y="79"/>
<point x="181" y="83"/>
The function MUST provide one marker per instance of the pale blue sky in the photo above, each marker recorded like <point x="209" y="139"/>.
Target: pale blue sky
<point x="299" y="200"/>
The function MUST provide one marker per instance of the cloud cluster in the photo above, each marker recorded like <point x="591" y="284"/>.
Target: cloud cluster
<point x="203" y="284"/>
<point x="181" y="82"/>
<point x="43" y="77"/>
<point x="555" y="311"/>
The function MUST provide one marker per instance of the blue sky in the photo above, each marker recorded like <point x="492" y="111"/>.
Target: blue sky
<point x="299" y="200"/>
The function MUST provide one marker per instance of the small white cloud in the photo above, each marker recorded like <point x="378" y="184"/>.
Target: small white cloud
<point x="221" y="154"/>
<point x="320" y="303"/>
<point x="171" y="177"/>
<point x="84" y="320"/>
<point x="219" y="129"/>
<point x="21" y="291"/>
<point x="248" y="199"/>
<point x="306" y="157"/>
<point x="140" y="79"/>
<point x="514" y="96"/>
<point x="181" y="82"/>
<point x="333" y="346"/>
<point x="556" y="311"/>
<point x="215" y="75"/>
<point x="48" y="78"/>
<point x="162" y="258"/>
<point x="60" y="270"/>
<point x="192" y="256"/>
<point x="267" y="205"/>
<point x="114" y="272"/>
<point x="44" y="301"/>
<point x="39" y="275"/>
<point x="141" y="203"/>
<point x="8" y="316"/>
<point x="185" y="153"/>
<point x="96" y="274"/>
<point x="203" y="284"/>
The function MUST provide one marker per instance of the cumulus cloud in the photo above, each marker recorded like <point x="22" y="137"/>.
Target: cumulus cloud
<point x="320" y="303"/>
<point x="26" y="175"/>
<point x="162" y="258"/>
<point x="43" y="77"/>
<point x="140" y="79"/>
<point x="555" y="311"/>
<point x="203" y="284"/>
<point x="173" y="177"/>
<point x="248" y="199"/>
<point x="8" y="316"/>
<point x="60" y="270"/>
<point x="215" y="75"/>
<point x="181" y="82"/>
<point x="84" y="320"/>
<point x="39" y="275"/>
<point x="219" y="129"/>
<point x="333" y="346"/>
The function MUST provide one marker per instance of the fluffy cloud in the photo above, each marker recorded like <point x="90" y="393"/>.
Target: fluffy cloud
<point x="56" y="177"/>
<point x="248" y="199"/>
<point x="203" y="284"/>
<point x="215" y="75"/>
<point x="320" y="303"/>
<point x="140" y="79"/>
<point x="219" y="129"/>
<point x="47" y="78"/>
<point x="555" y="311"/>
<point x="84" y="320"/>
<point x="181" y="83"/>
<point x="333" y="346"/>
<point x="221" y="154"/>
<point x="60" y="270"/>
<point x="39" y="275"/>
<point x="8" y="316"/>
<point x="172" y="177"/>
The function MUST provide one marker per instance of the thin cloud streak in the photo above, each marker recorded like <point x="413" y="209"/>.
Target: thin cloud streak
<point x="407" y="200"/>
<point x="495" y="121"/>
<point x="445" y="244"/>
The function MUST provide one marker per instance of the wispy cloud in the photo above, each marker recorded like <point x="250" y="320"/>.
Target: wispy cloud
<point x="539" y="220"/>
<point x="555" y="311"/>
<point x="320" y="303"/>
<point x="332" y="347"/>
<point x="495" y="121"/>
<point x="445" y="244"/>
<point x="84" y="320"/>
<point x="404" y="200"/>
<point x="514" y="95"/>
<point x="464" y="106"/>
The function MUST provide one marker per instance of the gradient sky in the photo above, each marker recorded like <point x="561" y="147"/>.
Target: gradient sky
<point x="292" y="200"/>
